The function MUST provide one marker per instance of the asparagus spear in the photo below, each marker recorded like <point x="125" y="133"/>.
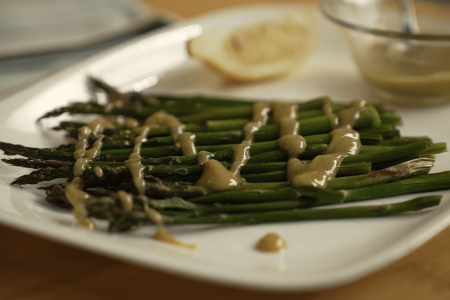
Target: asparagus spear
<point x="113" y="174"/>
<point x="125" y="221"/>
<point x="313" y="214"/>
<point x="416" y="184"/>
<point x="276" y="176"/>
<point x="52" y="153"/>
<point x="368" y="150"/>
<point x="127" y="110"/>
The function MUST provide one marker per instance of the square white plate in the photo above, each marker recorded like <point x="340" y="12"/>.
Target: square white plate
<point x="320" y="253"/>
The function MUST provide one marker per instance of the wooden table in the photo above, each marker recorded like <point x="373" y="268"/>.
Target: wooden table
<point x="33" y="268"/>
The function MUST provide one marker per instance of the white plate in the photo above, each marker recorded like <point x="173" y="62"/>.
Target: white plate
<point x="320" y="253"/>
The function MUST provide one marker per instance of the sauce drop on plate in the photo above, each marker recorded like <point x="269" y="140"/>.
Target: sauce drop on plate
<point x="271" y="242"/>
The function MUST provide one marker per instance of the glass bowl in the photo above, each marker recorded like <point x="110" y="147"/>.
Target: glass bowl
<point x="406" y="60"/>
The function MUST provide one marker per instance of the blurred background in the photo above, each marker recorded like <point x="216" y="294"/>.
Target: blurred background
<point x="40" y="37"/>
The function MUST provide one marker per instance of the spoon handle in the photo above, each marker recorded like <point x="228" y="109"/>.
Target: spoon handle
<point x="408" y="15"/>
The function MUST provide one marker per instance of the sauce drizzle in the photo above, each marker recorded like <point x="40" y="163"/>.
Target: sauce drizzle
<point x="345" y="141"/>
<point x="77" y="197"/>
<point x="215" y="175"/>
<point x="183" y="140"/>
<point x="74" y="191"/>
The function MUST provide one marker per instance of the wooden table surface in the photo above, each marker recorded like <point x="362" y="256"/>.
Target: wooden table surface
<point x="34" y="268"/>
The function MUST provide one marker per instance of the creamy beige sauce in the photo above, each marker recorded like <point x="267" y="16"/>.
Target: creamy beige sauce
<point x="94" y="129"/>
<point x="215" y="175"/>
<point x="203" y="157"/>
<point x="130" y="122"/>
<point x="86" y="156"/>
<point x="261" y="112"/>
<point x="241" y="154"/>
<point x="344" y="142"/>
<point x="83" y="136"/>
<point x="294" y="145"/>
<point x="184" y="140"/>
<point x="77" y="197"/>
<point x="249" y="129"/>
<point x="161" y="118"/>
<point x="271" y="242"/>
<point x="98" y="171"/>
<point x="407" y="70"/>
<point x="126" y="200"/>
<point x="285" y="114"/>
<point x="327" y="108"/>
<point x="136" y="169"/>
<point x="283" y="110"/>
<point x="164" y="236"/>
<point x="74" y="193"/>
<point x="187" y="143"/>
<point x="349" y="115"/>
<point x="98" y="125"/>
<point x="288" y="126"/>
<point x="316" y="173"/>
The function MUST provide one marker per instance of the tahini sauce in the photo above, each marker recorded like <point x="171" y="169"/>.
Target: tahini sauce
<point x="407" y="70"/>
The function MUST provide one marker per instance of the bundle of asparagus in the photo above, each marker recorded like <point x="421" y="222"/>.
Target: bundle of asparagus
<point x="138" y="171"/>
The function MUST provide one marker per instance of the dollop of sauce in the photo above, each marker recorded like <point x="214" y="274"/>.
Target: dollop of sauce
<point x="271" y="242"/>
<point x="203" y="157"/>
<point x="126" y="200"/>
<point x="215" y="176"/>
<point x="294" y="145"/>
<point x="98" y="171"/>
<point x="316" y="173"/>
